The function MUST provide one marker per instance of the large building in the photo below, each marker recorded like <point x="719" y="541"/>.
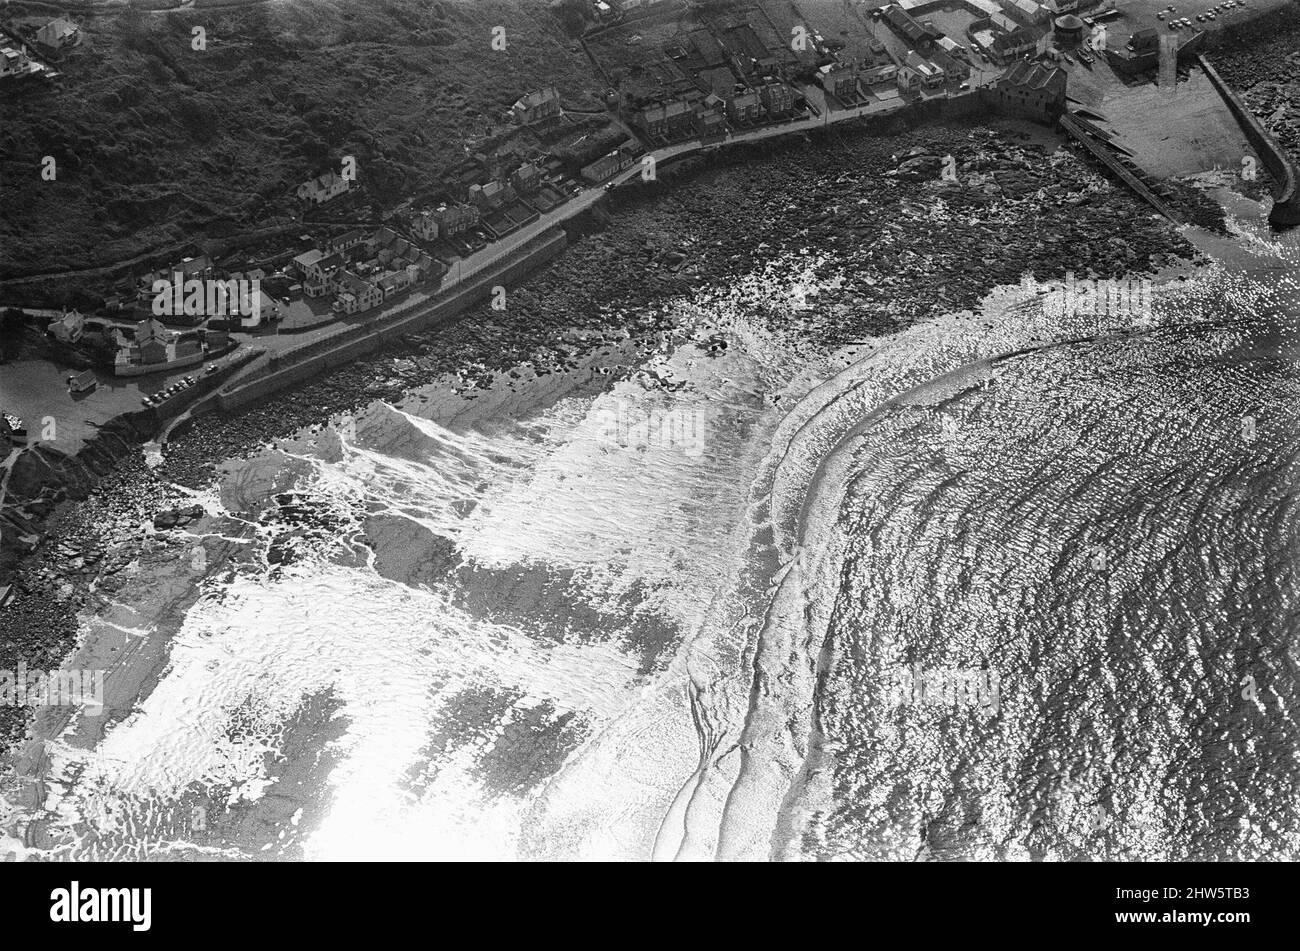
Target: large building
<point x="1030" y="91"/>
<point x="744" y="108"/>
<point x="536" y="106"/>
<point x="444" y="221"/>
<point x="69" y="328"/>
<point x="151" y="339"/>
<point x="840" y="82"/>
<point x="905" y="25"/>
<point x="323" y="188"/>
<point x="356" y="295"/>
<point x="1026" y="12"/>
<point x="58" y="34"/>
<point x="778" y="99"/>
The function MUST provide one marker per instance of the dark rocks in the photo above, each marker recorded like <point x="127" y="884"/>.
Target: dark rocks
<point x="177" y="517"/>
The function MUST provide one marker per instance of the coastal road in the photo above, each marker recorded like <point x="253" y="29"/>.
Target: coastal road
<point x="465" y="268"/>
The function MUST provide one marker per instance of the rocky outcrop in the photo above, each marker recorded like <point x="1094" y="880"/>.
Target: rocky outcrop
<point x="42" y="476"/>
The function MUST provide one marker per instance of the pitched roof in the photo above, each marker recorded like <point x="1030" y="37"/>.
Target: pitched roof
<point x="324" y="180"/>
<point x="534" y="99"/>
<point x="1035" y="76"/>
<point x="328" y="261"/>
<point x="353" y="283"/>
<point x="921" y="64"/>
<point x="194" y="265"/>
<point x="150" y="331"/>
<point x="348" y="237"/>
<point x="906" y="24"/>
<point x="56" y="30"/>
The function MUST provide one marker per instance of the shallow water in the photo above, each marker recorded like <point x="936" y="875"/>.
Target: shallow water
<point x="658" y="612"/>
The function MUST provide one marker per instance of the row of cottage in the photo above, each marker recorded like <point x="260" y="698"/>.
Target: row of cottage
<point x="770" y="102"/>
<point x="364" y="271"/>
<point x="933" y="59"/>
<point x="449" y="218"/>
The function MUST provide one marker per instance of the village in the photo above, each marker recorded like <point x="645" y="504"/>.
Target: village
<point x="682" y="78"/>
<point x="31" y="56"/>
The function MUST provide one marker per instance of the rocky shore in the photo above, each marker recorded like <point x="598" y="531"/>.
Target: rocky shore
<point x="1262" y="60"/>
<point x="910" y="241"/>
<point x="918" y="245"/>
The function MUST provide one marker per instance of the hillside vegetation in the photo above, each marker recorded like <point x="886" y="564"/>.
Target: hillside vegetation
<point x="158" y="143"/>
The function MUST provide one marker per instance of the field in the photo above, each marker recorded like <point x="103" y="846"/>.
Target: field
<point x="156" y="142"/>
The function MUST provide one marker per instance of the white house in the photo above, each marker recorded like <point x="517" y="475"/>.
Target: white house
<point x="908" y="79"/>
<point x="323" y="188"/>
<point x="58" y="34"/>
<point x="14" y="62"/>
<point x="68" y="328"/>
<point x="930" y="74"/>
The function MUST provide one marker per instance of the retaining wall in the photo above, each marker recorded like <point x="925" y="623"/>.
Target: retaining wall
<point x="284" y="372"/>
<point x="1286" y="201"/>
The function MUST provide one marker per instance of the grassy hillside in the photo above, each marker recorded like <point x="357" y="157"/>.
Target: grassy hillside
<point x="157" y="142"/>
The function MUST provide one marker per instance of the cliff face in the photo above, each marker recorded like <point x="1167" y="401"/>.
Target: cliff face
<point x="43" y="476"/>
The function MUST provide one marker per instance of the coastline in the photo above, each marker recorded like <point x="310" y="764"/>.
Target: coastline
<point x="654" y="248"/>
<point x="844" y="306"/>
<point x="796" y="557"/>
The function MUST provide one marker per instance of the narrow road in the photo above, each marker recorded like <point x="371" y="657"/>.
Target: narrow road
<point x="574" y="206"/>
